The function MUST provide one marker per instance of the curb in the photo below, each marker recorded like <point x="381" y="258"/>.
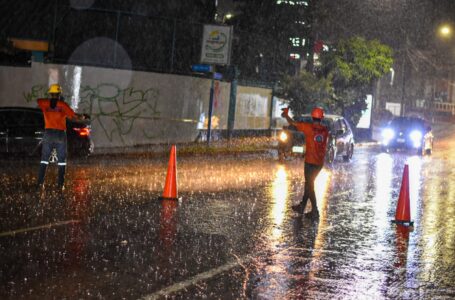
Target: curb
<point x="367" y="144"/>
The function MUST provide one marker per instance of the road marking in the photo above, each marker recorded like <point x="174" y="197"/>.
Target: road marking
<point x="199" y="277"/>
<point x="213" y="272"/>
<point x="47" y="226"/>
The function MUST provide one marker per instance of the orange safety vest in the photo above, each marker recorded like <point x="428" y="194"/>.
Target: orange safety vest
<point x="316" y="136"/>
<point x="55" y="118"/>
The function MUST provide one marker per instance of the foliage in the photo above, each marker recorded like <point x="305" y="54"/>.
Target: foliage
<point x="306" y="91"/>
<point x="343" y="80"/>
<point x="236" y="145"/>
<point x="354" y="64"/>
<point x="357" y="62"/>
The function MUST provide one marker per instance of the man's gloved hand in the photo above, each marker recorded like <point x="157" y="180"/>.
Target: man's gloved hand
<point x="285" y="112"/>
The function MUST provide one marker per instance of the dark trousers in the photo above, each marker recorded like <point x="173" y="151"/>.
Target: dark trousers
<point x="53" y="139"/>
<point x="311" y="172"/>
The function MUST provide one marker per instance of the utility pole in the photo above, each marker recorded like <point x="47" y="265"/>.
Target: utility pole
<point x="209" y="124"/>
<point x="403" y="74"/>
<point x="403" y="84"/>
<point x="232" y="101"/>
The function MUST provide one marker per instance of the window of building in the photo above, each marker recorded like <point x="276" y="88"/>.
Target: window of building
<point x="297" y="42"/>
<point x="304" y="3"/>
<point x="294" y="56"/>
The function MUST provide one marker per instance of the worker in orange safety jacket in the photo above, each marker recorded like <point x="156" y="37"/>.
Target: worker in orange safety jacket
<point x="316" y="136"/>
<point x="55" y="112"/>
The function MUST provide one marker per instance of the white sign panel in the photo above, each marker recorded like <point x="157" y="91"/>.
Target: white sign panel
<point x="365" y="119"/>
<point x="252" y="105"/>
<point x="278" y="105"/>
<point x="394" y="108"/>
<point x="216" y="45"/>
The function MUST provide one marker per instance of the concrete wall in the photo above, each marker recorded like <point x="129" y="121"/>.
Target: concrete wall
<point x="131" y="108"/>
<point x="14" y="81"/>
<point x="253" y="108"/>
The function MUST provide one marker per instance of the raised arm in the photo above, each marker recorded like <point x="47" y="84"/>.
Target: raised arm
<point x="81" y="118"/>
<point x="285" y="115"/>
<point x="71" y="114"/>
<point x="78" y="117"/>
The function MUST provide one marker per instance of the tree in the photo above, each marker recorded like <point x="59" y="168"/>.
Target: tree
<point x="306" y="91"/>
<point x="354" y="64"/>
<point x="342" y="81"/>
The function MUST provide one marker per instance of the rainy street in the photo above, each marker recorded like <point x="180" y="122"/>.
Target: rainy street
<point x="159" y="149"/>
<point x="232" y="234"/>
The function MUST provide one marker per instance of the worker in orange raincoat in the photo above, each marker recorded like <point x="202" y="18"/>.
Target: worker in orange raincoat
<point x="55" y="112"/>
<point x="316" y="136"/>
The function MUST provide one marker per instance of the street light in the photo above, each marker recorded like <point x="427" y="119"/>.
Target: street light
<point x="228" y="16"/>
<point x="445" y="31"/>
<point x="445" y="36"/>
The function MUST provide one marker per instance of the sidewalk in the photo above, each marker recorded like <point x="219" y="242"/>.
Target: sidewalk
<point x="233" y="146"/>
<point x="262" y="144"/>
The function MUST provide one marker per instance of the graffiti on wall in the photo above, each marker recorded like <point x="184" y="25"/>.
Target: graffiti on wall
<point x="115" y="110"/>
<point x="37" y="91"/>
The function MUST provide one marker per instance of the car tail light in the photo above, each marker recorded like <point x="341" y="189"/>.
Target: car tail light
<point x="84" y="131"/>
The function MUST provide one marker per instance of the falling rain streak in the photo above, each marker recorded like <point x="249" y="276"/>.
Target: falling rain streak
<point x="108" y="236"/>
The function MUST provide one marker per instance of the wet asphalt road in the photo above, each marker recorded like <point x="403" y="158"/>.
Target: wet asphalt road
<point x="233" y="234"/>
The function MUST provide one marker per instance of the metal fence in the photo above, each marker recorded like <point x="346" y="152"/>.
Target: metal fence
<point x="125" y="40"/>
<point x="443" y="107"/>
<point x="122" y="40"/>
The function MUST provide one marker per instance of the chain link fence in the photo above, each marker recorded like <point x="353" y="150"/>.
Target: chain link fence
<point x="118" y="39"/>
<point x="124" y="40"/>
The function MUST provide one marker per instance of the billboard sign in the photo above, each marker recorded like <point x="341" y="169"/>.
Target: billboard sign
<point x="216" y="45"/>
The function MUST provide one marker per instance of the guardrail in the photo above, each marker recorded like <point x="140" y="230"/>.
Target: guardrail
<point x="443" y="106"/>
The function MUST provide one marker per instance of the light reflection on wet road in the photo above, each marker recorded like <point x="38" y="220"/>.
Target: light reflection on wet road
<point x="233" y="235"/>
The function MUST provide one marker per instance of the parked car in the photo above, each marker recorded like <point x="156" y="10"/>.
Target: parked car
<point x="291" y="142"/>
<point x="408" y="133"/>
<point x="22" y="130"/>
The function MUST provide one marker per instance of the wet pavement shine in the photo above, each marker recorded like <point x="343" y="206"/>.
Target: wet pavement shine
<point x="232" y="235"/>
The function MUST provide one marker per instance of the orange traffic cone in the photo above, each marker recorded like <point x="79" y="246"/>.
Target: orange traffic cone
<point x="170" y="187"/>
<point x="403" y="212"/>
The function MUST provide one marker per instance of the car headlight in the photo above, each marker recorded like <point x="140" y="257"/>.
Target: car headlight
<point x="283" y="136"/>
<point x="388" y="134"/>
<point x="416" y="138"/>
